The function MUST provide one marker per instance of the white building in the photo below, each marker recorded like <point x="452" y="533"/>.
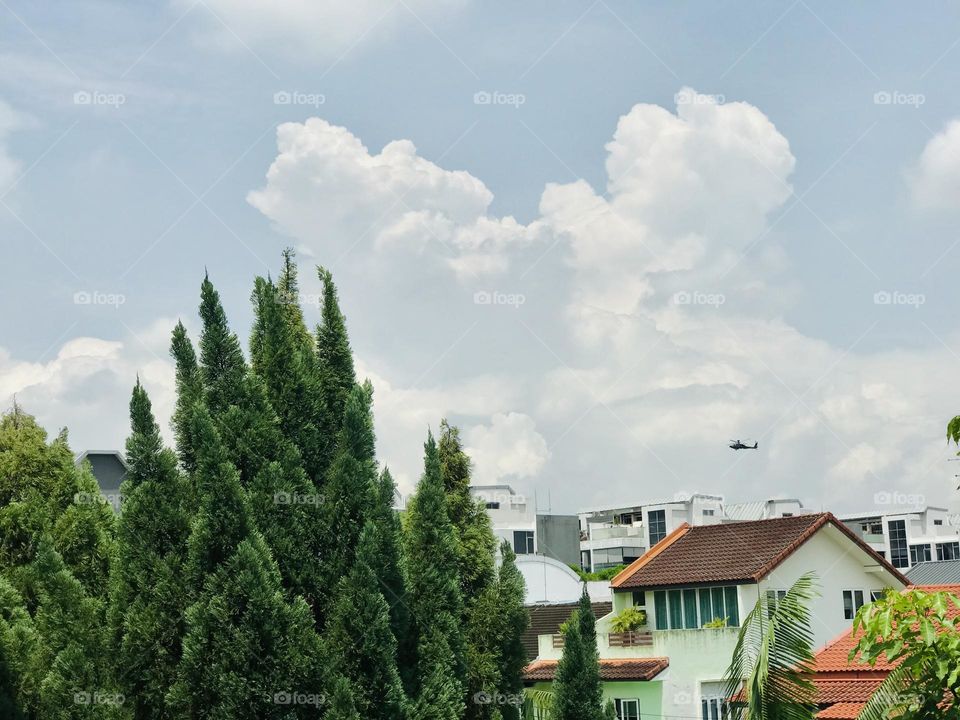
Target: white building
<point x="615" y="536"/>
<point x="529" y="532"/>
<point x="674" y="666"/>
<point x="909" y="536"/>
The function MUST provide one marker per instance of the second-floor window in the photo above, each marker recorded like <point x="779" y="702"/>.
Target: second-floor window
<point x="948" y="551"/>
<point x="899" y="555"/>
<point x="773" y="597"/>
<point x="692" y="608"/>
<point x="919" y="554"/>
<point x="852" y="601"/>
<point x="523" y="542"/>
<point x="657" y="520"/>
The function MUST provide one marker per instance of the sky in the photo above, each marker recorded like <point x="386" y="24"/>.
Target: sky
<point x="604" y="239"/>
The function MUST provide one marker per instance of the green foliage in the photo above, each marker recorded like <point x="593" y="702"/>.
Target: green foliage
<point x="599" y="575"/>
<point x="513" y="619"/>
<point x="773" y="658"/>
<point x="435" y="600"/>
<point x="716" y="623"/>
<point x="628" y="620"/>
<point x="148" y="594"/>
<point x="921" y="631"/>
<point x="577" y="690"/>
<point x="222" y="366"/>
<point x="189" y="392"/>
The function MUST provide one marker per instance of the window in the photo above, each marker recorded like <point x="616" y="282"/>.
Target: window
<point x="852" y="601"/>
<point x="493" y="506"/>
<point x="938" y="523"/>
<point x="713" y="708"/>
<point x="585" y="561"/>
<point x="948" y="551"/>
<point x="898" y="544"/>
<point x="877" y="595"/>
<point x="523" y="542"/>
<point x="730" y="606"/>
<point x="627" y="709"/>
<point x="675" y="598"/>
<point x="639" y="598"/>
<point x="691" y="608"/>
<point x="657" y="519"/>
<point x="660" y="609"/>
<point x="708" y="513"/>
<point x="773" y="597"/>
<point x="919" y="554"/>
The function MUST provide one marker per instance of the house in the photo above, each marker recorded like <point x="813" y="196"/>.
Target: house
<point x="706" y="574"/>
<point x="528" y="531"/>
<point x="909" y="536"/>
<point x="614" y="536"/>
<point x="110" y="469"/>
<point x="546" y="619"/>
<point x="842" y="687"/>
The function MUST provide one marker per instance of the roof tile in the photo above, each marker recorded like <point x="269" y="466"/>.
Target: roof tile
<point x="610" y="669"/>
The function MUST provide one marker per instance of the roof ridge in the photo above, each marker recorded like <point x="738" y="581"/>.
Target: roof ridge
<point x="650" y="555"/>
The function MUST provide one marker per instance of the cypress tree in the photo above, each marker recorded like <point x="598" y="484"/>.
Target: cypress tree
<point x="347" y="490"/>
<point x="148" y="591"/>
<point x="189" y="392"/>
<point x="435" y="601"/>
<point x="248" y="649"/>
<point x="334" y="364"/>
<point x="578" y="694"/>
<point x="222" y="366"/>
<point x="513" y="620"/>
<point x="361" y="640"/>
<point x="341" y="706"/>
<point x="288" y="287"/>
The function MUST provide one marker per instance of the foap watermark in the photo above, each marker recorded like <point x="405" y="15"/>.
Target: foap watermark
<point x="89" y="498"/>
<point x="691" y="97"/>
<point x="900" y="499"/>
<point x="498" y="698"/>
<point x="302" y="299"/>
<point x="95" y="297"/>
<point x="299" y="698"/>
<point x="295" y="97"/>
<point x="97" y="697"/>
<point x="495" y="97"/>
<point x="495" y="297"/>
<point x="97" y="97"/>
<point x="895" y="97"/>
<point x="895" y="297"/>
<point x="287" y="498"/>
<point x="695" y="297"/>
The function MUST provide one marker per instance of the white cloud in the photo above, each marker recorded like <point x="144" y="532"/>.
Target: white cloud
<point x="323" y="29"/>
<point x="509" y="447"/>
<point x="395" y="200"/>
<point x="935" y="180"/>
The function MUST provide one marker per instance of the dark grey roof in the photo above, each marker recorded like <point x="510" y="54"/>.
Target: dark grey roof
<point x="945" y="572"/>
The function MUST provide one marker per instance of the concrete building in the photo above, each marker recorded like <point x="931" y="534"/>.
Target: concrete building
<point x="909" y="536"/>
<point x="619" y="535"/>
<point x="529" y="532"/>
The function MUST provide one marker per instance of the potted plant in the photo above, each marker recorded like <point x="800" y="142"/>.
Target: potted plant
<point x="717" y="622"/>
<point x="629" y="619"/>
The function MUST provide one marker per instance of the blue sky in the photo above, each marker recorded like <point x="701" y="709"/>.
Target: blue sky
<point x="785" y="167"/>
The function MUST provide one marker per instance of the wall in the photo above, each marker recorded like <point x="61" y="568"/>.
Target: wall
<point x="558" y="536"/>
<point x="649" y="694"/>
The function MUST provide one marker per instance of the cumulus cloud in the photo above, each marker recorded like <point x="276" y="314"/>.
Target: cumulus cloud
<point x="326" y="189"/>
<point x="509" y="447"/>
<point x="935" y="180"/>
<point x="313" y="29"/>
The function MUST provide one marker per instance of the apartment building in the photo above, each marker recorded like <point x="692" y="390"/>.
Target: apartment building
<point x="909" y="536"/>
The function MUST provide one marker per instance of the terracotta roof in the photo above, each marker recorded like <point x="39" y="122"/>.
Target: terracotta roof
<point x="834" y="691"/>
<point x="738" y="552"/>
<point x="546" y="620"/>
<point x="841" y="711"/>
<point x="610" y="669"/>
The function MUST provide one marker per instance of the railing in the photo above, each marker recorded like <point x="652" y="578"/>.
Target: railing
<point x="630" y="639"/>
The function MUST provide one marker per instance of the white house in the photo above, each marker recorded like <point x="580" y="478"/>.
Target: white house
<point x="907" y="537"/>
<point x="674" y="666"/>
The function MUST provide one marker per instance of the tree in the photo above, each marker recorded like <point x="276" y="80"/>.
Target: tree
<point x="361" y="641"/>
<point x="347" y="490"/>
<point x="435" y="601"/>
<point x="222" y="367"/>
<point x="149" y="594"/>
<point x="578" y="694"/>
<point x="189" y="392"/>
<point x="773" y="658"/>
<point x="918" y="631"/>
<point x="513" y="621"/>
<point x="247" y="649"/>
<point x="335" y="365"/>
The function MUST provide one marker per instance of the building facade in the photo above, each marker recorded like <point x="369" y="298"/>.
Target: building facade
<point x="908" y="537"/>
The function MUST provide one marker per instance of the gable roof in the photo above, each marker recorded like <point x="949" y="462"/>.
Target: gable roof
<point x="610" y="669"/>
<point x="740" y="552"/>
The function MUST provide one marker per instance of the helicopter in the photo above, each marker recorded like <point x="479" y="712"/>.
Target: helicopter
<point x="737" y="445"/>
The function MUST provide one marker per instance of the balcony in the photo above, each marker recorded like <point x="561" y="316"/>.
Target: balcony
<point x="630" y="639"/>
<point x="616" y="531"/>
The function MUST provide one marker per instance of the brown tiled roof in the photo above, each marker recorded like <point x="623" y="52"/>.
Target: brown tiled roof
<point x="738" y="552"/>
<point x="841" y="711"/>
<point x="834" y="691"/>
<point x="546" y="620"/>
<point x="610" y="669"/>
